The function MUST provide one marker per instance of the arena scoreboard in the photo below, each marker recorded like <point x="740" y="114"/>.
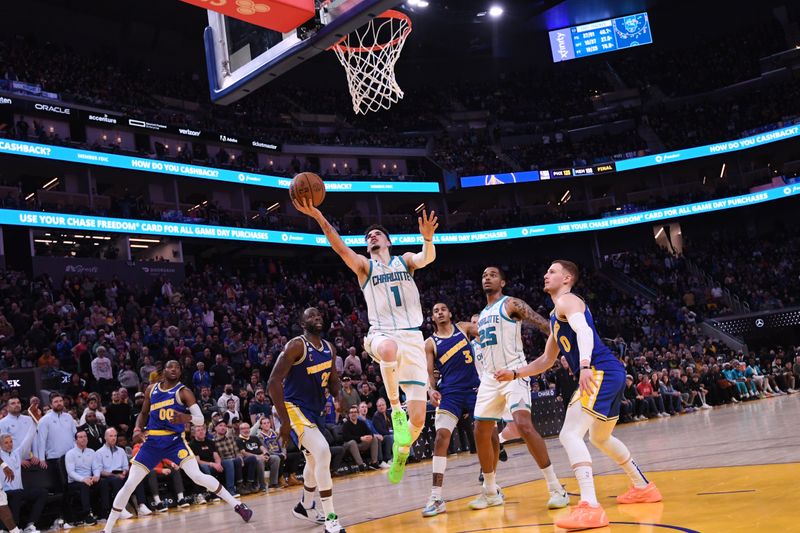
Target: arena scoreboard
<point x="600" y="37"/>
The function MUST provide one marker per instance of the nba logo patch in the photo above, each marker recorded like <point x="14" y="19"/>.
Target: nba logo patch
<point x="183" y="454"/>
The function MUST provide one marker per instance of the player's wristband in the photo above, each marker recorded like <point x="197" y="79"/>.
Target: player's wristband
<point x="515" y="374"/>
<point x="586" y="368"/>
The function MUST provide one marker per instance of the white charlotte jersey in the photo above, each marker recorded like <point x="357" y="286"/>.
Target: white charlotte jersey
<point x="501" y="339"/>
<point x="480" y="364"/>
<point x="392" y="296"/>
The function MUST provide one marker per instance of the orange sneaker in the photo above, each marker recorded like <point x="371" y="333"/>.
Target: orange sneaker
<point x="584" y="516"/>
<point x="646" y="494"/>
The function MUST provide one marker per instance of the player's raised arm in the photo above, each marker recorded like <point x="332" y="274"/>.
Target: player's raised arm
<point x="519" y="310"/>
<point x="355" y="262"/>
<point x="427" y="227"/>
<point x="538" y="366"/>
<point x="291" y="353"/>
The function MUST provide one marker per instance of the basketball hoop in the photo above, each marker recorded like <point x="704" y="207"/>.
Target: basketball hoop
<point x="368" y="56"/>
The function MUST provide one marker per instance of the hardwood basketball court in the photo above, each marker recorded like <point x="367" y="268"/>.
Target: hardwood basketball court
<point x="731" y="469"/>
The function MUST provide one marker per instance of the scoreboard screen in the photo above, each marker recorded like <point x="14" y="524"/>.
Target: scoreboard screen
<point x="600" y="37"/>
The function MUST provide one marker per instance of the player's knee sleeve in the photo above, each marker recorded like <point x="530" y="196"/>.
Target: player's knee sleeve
<point x="576" y="424"/>
<point x="192" y="469"/>
<point x="309" y="475"/>
<point x="614" y="448"/>
<point x="135" y="476"/>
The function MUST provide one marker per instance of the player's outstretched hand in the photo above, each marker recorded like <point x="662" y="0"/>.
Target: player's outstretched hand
<point x="504" y="375"/>
<point x="428" y="224"/>
<point x="436" y="397"/>
<point x="305" y="206"/>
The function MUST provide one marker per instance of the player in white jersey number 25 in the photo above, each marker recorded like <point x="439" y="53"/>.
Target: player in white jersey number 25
<point x="395" y="315"/>
<point x="499" y="330"/>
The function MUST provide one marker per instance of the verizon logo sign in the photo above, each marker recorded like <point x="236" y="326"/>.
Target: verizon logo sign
<point x="186" y="131"/>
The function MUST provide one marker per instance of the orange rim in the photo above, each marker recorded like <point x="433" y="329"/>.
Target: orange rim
<point x="390" y="14"/>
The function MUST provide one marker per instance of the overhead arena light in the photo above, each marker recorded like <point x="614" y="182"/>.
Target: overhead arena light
<point x="495" y="11"/>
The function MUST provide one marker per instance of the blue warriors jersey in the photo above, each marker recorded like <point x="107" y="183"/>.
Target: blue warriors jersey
<point x="307" y="379"/>
<point x="163" y="403"/>
<point x="567" y="340"/>
<point x="455" y="361"/>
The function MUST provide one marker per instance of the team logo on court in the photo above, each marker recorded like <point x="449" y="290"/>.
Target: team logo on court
<point x="249" y="7"/>
<point x="183" y="454"/>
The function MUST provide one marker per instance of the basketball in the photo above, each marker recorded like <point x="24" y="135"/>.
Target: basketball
<point x="308" y="185"/>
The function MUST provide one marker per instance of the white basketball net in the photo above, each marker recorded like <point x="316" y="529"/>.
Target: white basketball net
<point x="368" y="56"/>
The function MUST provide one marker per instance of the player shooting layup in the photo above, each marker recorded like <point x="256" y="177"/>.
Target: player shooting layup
<point x="594" y="406"/>
<point x="395" y="315"/>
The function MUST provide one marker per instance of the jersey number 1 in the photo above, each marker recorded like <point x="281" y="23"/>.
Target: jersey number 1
<point x="396" y="292"/>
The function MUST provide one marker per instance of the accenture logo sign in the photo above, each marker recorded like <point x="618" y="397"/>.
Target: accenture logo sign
<point x="103" y="118"/>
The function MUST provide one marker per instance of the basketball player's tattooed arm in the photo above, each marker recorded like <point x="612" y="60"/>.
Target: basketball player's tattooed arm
<point x="519" y="310"/>
<point x="141" y="420"/>
<point x="355" y="262"/>
<point x="430" y="352"/>
<point x="539" y="365"/>
<point x="291" y="353"/>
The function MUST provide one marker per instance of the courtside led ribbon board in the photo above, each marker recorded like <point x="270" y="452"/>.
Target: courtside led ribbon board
<point x="72" y="155"/>
<point x="279" y="15"/>
<point x="39" y="220"/>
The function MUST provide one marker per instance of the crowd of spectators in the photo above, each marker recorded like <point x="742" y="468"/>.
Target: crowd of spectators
<point x="99" y="344"/>
<point x="531" y="101"/>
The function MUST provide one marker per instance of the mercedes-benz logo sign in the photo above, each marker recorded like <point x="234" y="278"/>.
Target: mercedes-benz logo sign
<point x="759" y="322"/>
<point x="242" y="177"/>
<point x="787" y="190"/>
<point x="284" y="237"/>
<point x="659" y="158"/>
<point x="524" y="231"/>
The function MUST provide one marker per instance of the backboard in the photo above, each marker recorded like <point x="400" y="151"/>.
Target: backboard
<point x="241" y="57"/>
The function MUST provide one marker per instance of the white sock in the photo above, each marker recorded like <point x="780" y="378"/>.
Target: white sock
<point x="391" y="382"/>
<point x="113" y="516"/>
<point x="637" y="477"/>
<point x="180" y="495"/>
<point x="501" y="438"/>
<point x="327" y="505"/>
<point x="586" y="483"/>
<point x="552" y="479"/>
<point x="156" y="499"/>
<point x="439" y="466"/>
<point x="15" y="530"/>
<point x="489" y="484"/>
<point x="307" y="499"/>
